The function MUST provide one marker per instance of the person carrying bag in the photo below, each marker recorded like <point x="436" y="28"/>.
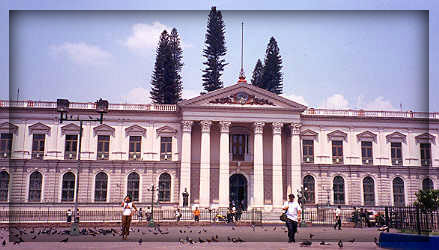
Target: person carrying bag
<point x="128" y="211"/>
<point x="291" y="216"/>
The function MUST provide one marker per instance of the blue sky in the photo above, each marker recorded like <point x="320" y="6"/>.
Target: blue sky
<point x="334" y="55"/>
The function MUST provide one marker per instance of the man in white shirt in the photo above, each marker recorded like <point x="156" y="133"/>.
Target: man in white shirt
<point x="293" y="212"/>
<point x="338" y="218"/>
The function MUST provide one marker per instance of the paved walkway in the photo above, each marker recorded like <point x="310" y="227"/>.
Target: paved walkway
<point x="260" y="237"/>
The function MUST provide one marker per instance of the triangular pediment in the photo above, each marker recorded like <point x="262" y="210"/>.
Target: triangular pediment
<point x="396" y="137"/>
<point x="366" y="136"/>
<point x="7" y="127"/>
<point x="425" y="137"/>
<point x="104" y="129"/>
<point x="242" y="95"/>
<point x="70" y="129"/>
<point x="135" y="130"/>
<point x="336" y="135"/>
<point x="38" y="128"/>
<point x="166" y="130"/>
<point x="309" y="132"/>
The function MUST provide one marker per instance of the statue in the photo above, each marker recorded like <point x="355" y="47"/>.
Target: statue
<point x="185" y="198"/>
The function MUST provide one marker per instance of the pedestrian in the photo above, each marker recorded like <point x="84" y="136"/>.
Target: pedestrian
<point x="148" y="214"/>
<point x="238" y="213"/>
<point x="293" y="211"/>
<point x="69" y="215"/>
<point x="362" y="217"/>
<point x="128" y="207"/>
<point x="178" y="215"/>
<point x="355" y="217"/>
<point x="197" y="214"/>
<point x="77" y="216"/>
<point x="366" y="218"/>
<point x="229" y="215"/>
<point x="140" y="214"/>
<point x="338" y="218"/>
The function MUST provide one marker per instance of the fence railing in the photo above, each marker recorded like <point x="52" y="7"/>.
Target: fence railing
<point x="412" y="219"/>
<point x="112" y="214"/>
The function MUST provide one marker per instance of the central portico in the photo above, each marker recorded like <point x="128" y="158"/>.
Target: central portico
<point x="245" y="134"/>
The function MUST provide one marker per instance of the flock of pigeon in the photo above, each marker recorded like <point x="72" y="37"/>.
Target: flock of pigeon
<point x="185" y="235"/>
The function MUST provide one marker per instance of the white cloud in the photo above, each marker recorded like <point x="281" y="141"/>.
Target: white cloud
<point x="146" y="36"/>
<point x="336" y="101"/>
<point x="138" y="96"/>
<point x="82" y="53"/>
<point x="379" y="104"/>
<point x="297" y="98"/>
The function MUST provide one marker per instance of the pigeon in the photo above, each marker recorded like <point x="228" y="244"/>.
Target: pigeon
<point x="274" y="229"/>
<point x="228" y="238"/>
<point x="65" y="240"/>
<point x="306" y="243"/>
<point x="324" y="243"/>
<point x="181" y="231"/>
<point x="352" y="241"/>
<point x="340" y="244"/>
<point x="181" y="240"/>
<point x="140" y="241"/>
<point x="200" y="240"/>
<point x="239" y="239"/>
<point x="214" y="239"/>
<point x="34" y="237"/>
<point x="233" y="228"/>
<point x="208" y="240"/>
<point x="4" y="243"/>
<point x="199" y="232"/>
<point x="311" y="235"/>
<point x="376" y="241"/>
<point x="204" y="230"/>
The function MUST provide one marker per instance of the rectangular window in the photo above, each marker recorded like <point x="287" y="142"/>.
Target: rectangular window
<point x="396" y="153"/>
<point x="103" y="147"/>
<point x="366" y="152"/>
<point x="238" y="147"/>
<point x="38" y="146"/>
<point x="71" y="147"/>
<point x="337" y="152"/>
<point x="166" y="148"/>
<point x="425" y="154"/>
<point x="308" y="151"/>
<point x="135" y="147"/>
<point x="5" y="145"/>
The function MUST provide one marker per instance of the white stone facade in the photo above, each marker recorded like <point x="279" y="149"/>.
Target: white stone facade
<point x="240" y="129"/>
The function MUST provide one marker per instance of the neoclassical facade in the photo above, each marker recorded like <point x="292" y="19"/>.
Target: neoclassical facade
<point x="240" y="143"/>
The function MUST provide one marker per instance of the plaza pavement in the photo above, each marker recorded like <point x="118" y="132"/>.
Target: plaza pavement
<point x="260" y="237"/>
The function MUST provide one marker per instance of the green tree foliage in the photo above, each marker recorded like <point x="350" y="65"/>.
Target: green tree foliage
<point x="272" y="75"/>
<point x="214" y="51"/>
<point x="166" y="86"/>
<point x="257" y="74"/>
<point x="427" y="200"/>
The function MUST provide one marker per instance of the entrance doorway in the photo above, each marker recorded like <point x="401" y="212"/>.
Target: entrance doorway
<point x="238" y="190"/>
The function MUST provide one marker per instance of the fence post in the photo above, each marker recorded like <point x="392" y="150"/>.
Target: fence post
<point x="418" y="223"/>
<point x="386" y="212"/>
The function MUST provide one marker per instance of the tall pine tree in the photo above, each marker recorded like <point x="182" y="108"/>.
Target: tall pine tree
<point x="166" y="79"/>
<point x="257" y="74"/>
<point x="272" y="76"/>
<point x="214" y="51"/>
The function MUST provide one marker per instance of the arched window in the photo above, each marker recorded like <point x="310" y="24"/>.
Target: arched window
<point x="309" y="186"/>
<point x="369" y="191"/>
<point x="398" y="192"/>
<point x="68" y="187"/>
<point x="133" y="186"/>
<point x="35" y="184"/>
<point x="165" y="187"/>
<point x="427" y="184"/>
<point x="101" y="183"/>
<point x="4" y="185"/>
<point x="338" y="187"/>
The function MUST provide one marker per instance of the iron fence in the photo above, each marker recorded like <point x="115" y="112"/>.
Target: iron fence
<point x="113" y="214"/>
<point x="412" y="219"/>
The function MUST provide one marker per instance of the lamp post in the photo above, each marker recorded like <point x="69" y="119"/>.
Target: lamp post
<point x="152" y="188"/>
<point x="302" y="193"/>
<point x="62" y="106"/>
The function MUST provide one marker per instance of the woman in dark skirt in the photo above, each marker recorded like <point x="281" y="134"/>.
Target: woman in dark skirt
<point x="127" y="213"/>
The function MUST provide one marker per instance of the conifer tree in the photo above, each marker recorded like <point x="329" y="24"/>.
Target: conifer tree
<point x="272" y="75"/>
<point x="166" y="86"/>
<point x="257" y="74"/>
<point x="214" y="51"/>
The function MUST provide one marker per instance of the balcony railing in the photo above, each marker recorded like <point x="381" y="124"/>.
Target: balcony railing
<point x="89" y="105"/>
<point x="368" y="113"/>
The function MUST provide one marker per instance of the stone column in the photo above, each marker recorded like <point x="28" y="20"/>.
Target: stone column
<point x="185" y="172"/>
<point x="205" y="164"/>
<point x="258" y="168"/>
<point x="296" y="156"/>
<point x="224" y="165"/>
<point x="277" y="165"/>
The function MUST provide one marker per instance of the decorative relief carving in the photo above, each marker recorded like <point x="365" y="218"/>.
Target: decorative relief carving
<point x="277" y="127"/>
<point x="243" y="99"/>
<point x="205" y="126"/>
<point x="295" y="128"/>
<point x="187" y="125"/>
<point x="225" y="126"/>
<point x="259" y="127"/>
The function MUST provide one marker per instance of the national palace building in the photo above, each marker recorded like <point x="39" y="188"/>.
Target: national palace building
<point x="239" y="143"/>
